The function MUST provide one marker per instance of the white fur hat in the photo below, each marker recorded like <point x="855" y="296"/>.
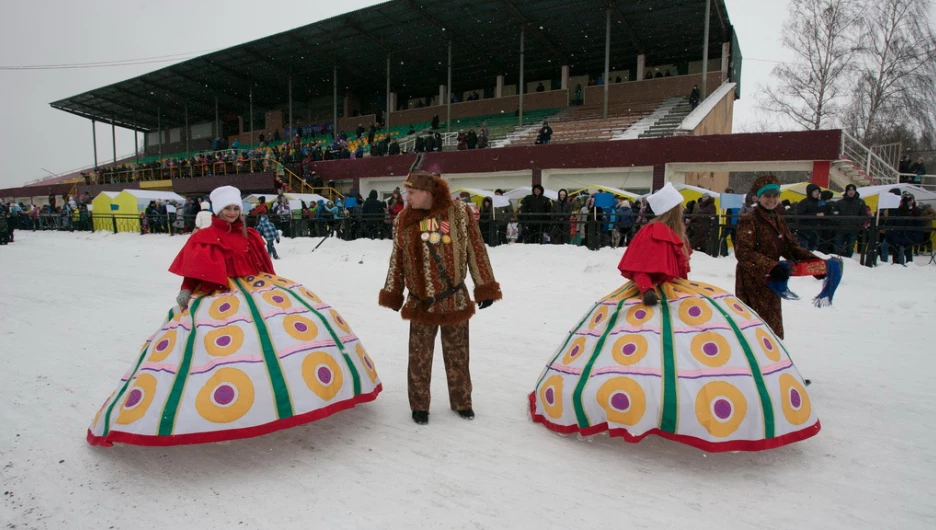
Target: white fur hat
<point x="665" y="199"/>
<point x="226" y="196"/>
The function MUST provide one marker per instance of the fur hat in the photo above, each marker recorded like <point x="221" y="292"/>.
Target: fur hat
<point x="225" y="196"/>
<point x="765" y="183"/>
<point x="421" y="180"/>
<point x="665" y="199"/>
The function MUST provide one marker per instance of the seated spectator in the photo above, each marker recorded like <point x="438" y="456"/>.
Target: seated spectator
<point x="540" y="87"/>
<point x="546" y="132"/>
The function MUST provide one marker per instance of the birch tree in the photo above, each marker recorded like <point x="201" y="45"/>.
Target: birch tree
<point x="810" y="89"/>
<point x="896" y="82"/>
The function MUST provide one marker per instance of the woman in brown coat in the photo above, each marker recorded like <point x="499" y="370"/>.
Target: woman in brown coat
<point x="762" y="238"/>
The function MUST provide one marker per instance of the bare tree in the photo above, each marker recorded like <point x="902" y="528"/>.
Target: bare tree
<point x="897" y="79"/>
<point x="821" y="35"/>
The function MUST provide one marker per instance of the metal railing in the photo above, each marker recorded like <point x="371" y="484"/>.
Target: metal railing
<point x="872" y="240"/>
<point x="927" y="182"/>
<point x="875" y="167"/>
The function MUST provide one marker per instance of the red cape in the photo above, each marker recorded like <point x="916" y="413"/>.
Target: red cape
<point x="220" y="251"/>
<point x="657" y="252"/>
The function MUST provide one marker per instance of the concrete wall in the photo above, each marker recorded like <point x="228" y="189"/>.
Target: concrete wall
<point x="350" y="124"/>
<point x="629" y="178"/>
<point x="718" y="121"/>
<point x="648" y="90"/>
<point x="507" y="104"/>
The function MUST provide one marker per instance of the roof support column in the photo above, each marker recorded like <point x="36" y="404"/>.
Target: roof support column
<point x="94" y="141"/>
<point x="334" y="102"/>
<point x="565" y="77"/>
<point x="290" y="124"/>
<point x="448" y="94"/>
<point x="114" y="140"/>
<point x="520" y="87"/>
<point x="499" y="86"/>
<point x="217" y="124"/>
<point x="607" y="70"/>
<point x="159" y="128"/>
<point x="441" y="95"/>
<point x="136" y="146"/>
<point x="708" y="13"/>
<point x="188" y="132"/>
<point x="725" y="60"/>
<point x="251" y="118"/>
<point x="641" y="66"/>
<point x="387" y="117"/>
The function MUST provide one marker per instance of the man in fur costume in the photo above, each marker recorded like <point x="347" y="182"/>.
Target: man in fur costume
<point x="436" y="242"/>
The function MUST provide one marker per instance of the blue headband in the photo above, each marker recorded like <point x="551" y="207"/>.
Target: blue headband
<point x="768" y="187"/>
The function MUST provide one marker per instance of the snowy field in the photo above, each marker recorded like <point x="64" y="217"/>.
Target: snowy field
<point x="77" y="307"/>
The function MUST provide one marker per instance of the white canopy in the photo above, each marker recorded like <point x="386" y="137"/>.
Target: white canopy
<point x="892" y="201"/>
<point x="143" y="197"/>
<point x="523" y="191"/>
<point x="702" y="191"/>
<point x="499" y="201"/>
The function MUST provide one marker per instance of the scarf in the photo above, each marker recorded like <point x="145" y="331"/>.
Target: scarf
<point x="832" y="270"/>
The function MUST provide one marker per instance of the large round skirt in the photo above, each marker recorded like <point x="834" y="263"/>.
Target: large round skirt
<point x="700" y="368"/>
<point x="263" y="355"/>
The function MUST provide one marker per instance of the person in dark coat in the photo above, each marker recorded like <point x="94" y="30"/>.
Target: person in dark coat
<point x="761" y="239"/>
<point x="471" y="139"/>
<point x="695" y="96"/>
<point x="485" y="220"/>
<point x="703" y="220"/>
<point x="561" y="216"/>
<point x="534" y="210"/>
<point x="809" y="207"/>
<point x="374" y="210"/>
<point x="545" y="133"/>
<point x="851" y="205"/>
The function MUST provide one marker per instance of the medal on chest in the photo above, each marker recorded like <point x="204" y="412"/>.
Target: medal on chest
<point x="430" y="231"/>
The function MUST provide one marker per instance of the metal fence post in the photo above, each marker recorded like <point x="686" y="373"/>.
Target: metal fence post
<point x="114" y="221"/>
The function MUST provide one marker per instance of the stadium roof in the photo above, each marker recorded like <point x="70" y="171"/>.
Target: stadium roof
<point x="485" y="37"/>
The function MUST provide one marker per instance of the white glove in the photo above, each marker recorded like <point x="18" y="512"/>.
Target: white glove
<point x="183" y="299"/>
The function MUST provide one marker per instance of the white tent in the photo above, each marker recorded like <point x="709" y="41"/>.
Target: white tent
<point x="523" y="191"/>
<point x="700" y="191"/>
<point x="144" y="197"/>
<point x="893" y="201"/>
<point x="499" y="201"/>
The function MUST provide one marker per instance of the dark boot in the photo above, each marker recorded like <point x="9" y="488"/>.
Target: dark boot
<point x="421" y="417"/>
<point x="467" y="414"/>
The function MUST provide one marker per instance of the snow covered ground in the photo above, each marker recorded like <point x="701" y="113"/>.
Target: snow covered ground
<point x="76" y="307"/>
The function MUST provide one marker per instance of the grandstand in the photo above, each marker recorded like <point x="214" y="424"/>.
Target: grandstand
<point x="598" y="71"/>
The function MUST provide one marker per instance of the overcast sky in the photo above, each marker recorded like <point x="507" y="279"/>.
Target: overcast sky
<point x="46" y="32"/>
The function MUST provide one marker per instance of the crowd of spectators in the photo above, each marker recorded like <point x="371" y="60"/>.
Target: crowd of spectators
<point x="820" y="223"/>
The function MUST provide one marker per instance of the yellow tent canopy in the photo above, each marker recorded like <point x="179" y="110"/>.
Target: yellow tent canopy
<point x="797" y="192"/>
<point x="126" y="207"/>
<point x="101" y="208"/>
<point x="694" y="193"/>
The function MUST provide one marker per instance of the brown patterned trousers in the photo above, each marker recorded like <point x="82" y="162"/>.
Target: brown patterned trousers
<point x="455" y="354"/>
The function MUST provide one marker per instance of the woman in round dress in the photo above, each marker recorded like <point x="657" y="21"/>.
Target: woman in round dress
<point x="681" y="359"/>
<point x="245" y="353"/>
